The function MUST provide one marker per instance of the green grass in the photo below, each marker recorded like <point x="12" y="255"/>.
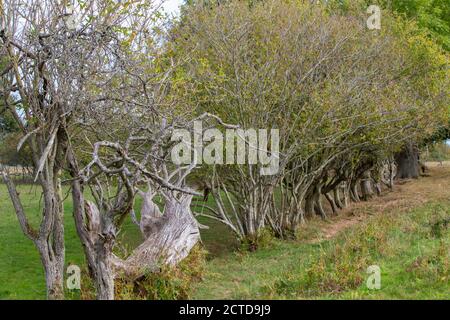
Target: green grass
<point x="411" y="248"/>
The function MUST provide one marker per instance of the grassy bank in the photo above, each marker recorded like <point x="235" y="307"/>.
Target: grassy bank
<point x="411" y="249"/>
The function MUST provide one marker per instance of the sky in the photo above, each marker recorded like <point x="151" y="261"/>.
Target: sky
<point x="172" y="6"/>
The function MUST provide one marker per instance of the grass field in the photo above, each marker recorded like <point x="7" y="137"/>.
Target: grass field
<point x="405" y="232"/>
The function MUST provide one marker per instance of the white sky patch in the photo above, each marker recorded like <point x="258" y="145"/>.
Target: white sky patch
<point x="172" y="7"/>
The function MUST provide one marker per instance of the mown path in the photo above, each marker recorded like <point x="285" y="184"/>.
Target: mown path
<point x="407" y="194"/>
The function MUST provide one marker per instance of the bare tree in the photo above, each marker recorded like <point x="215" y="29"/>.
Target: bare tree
<point x="68" y="68"/>
<point x="115" y="175"/>
<point x="36" y="93"/>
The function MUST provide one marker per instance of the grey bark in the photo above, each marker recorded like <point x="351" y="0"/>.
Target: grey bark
<point x="407" y="161"/>
<point x="333" y="205"/>
<point x="173" y="234"/>
<point x="169" y="237"/>
<point x="337" y="198"/>
<point x="366" y="186"/>
<point x="354" y="193"/>
<point x="49" y="239"/>
<point x="313" y="203"/>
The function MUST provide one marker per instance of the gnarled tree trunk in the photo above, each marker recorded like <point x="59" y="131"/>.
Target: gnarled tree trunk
<point x="53" y="270"/>
<point x="169" y="237"/>
<point x="408" y="162"/>
<point x="173" y="234"/>
<point x="313" y="202"/>
<point x="354" y="193"/>
<point x="333" y="205"/>
<point x="337" y="197"/>
<point x="366" y="185"/>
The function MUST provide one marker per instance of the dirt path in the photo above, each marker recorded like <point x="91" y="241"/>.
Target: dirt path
<point x="407" y="194"/>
